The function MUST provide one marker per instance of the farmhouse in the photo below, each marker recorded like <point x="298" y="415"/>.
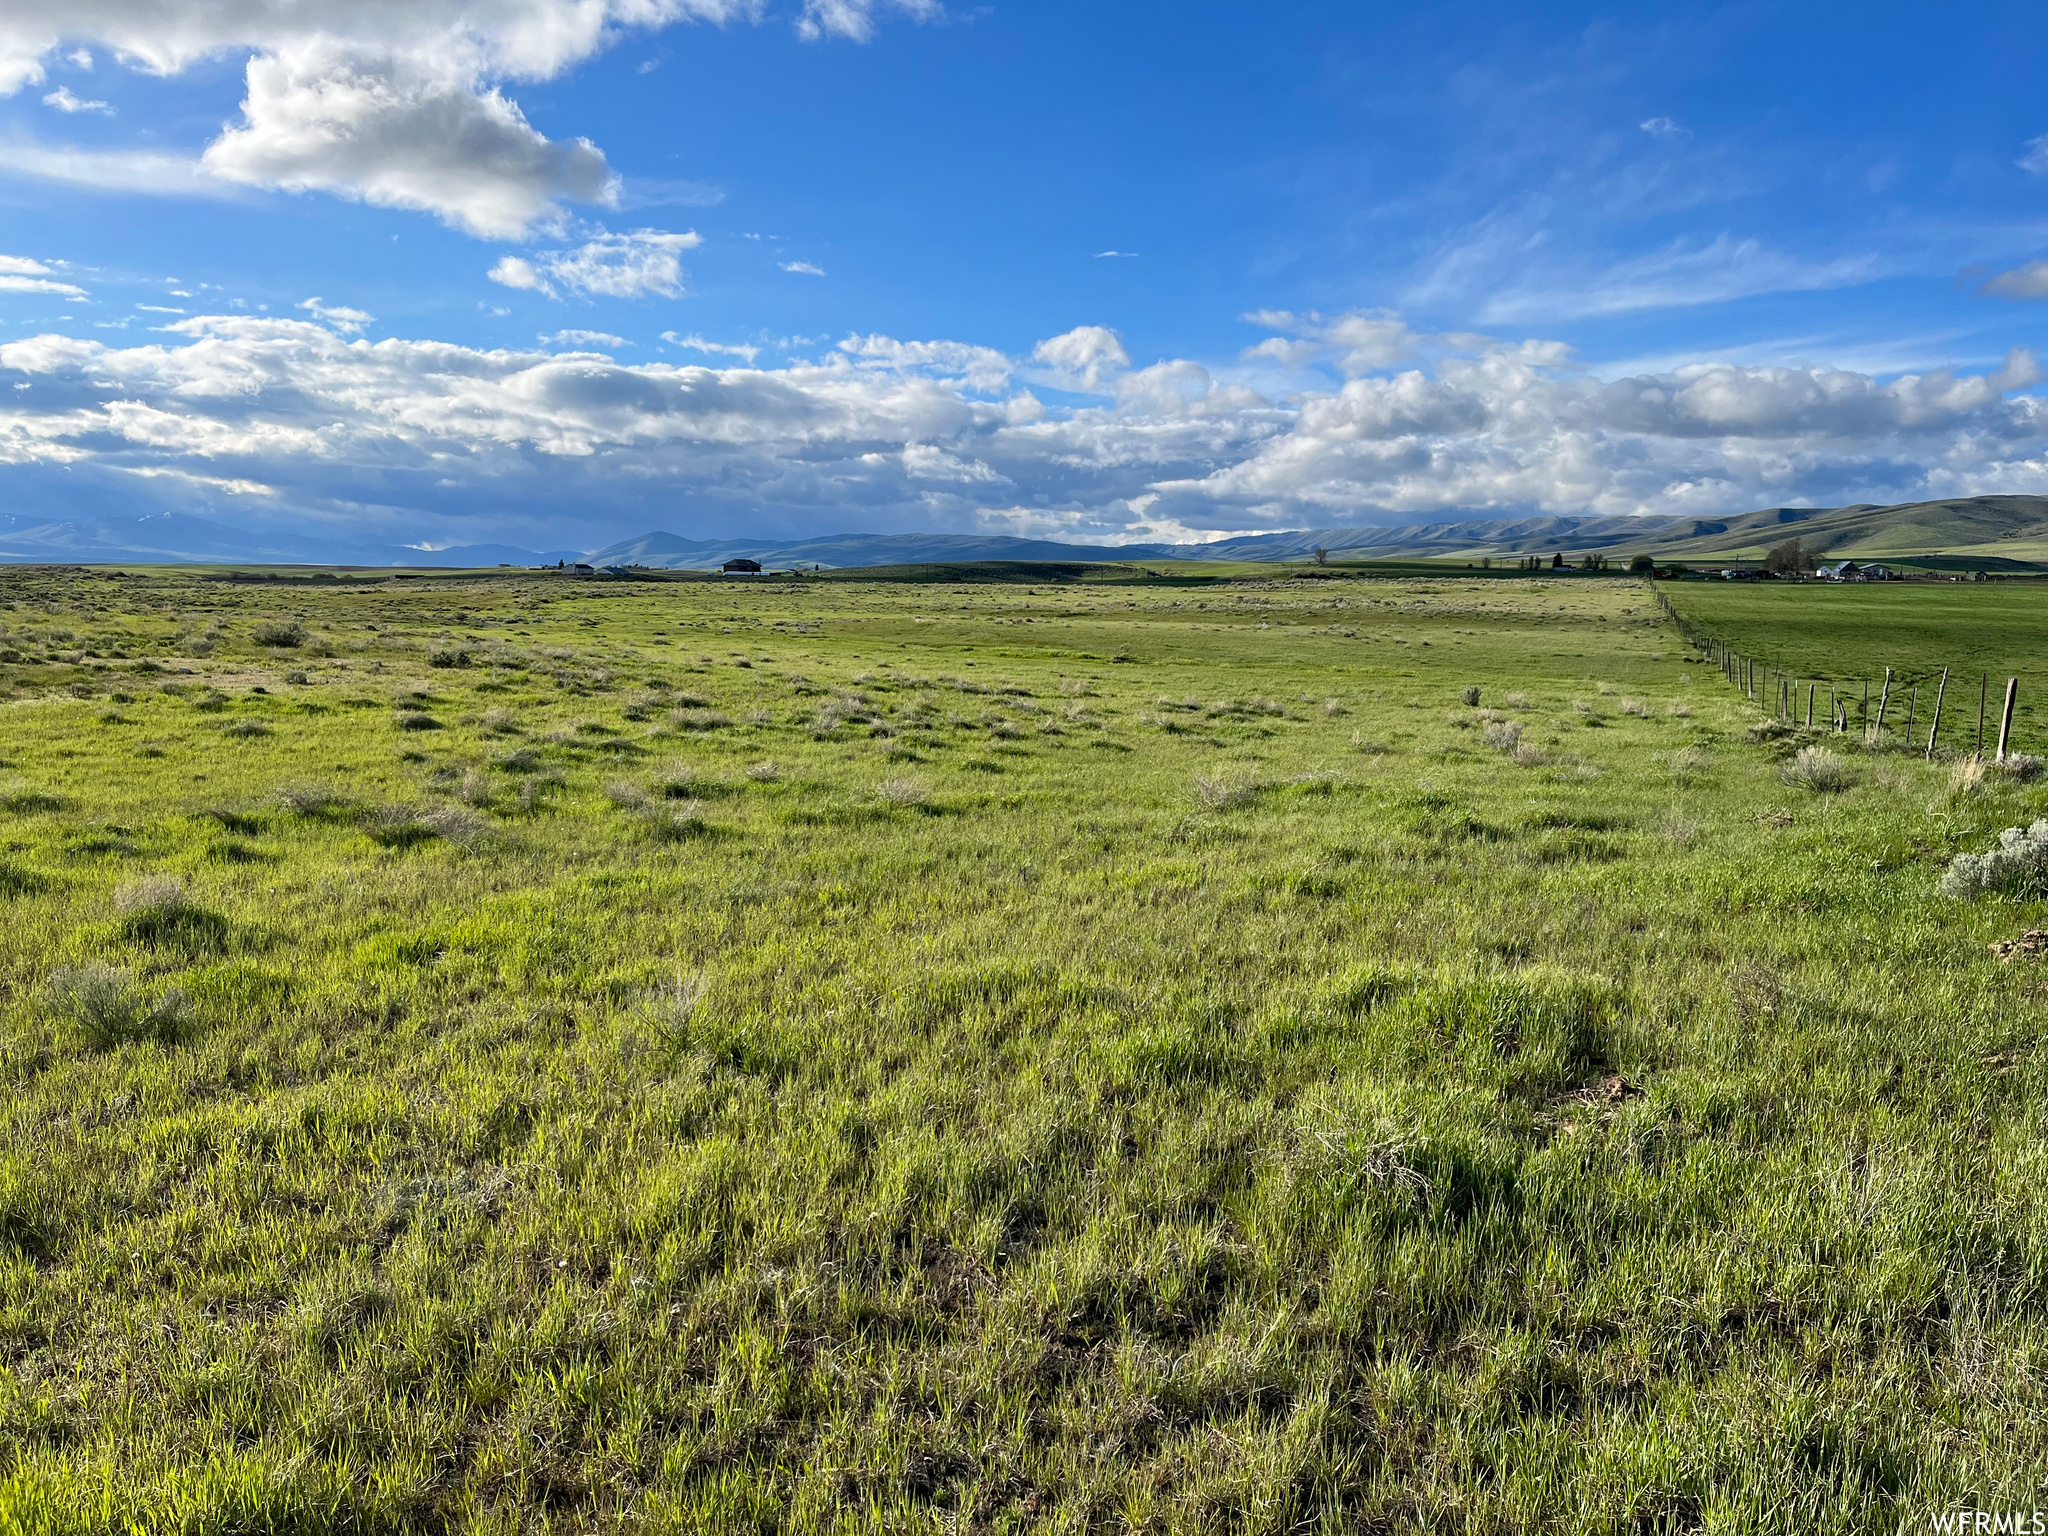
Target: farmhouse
<point x="1849" y="570"/>
<point x="741" y="567"/>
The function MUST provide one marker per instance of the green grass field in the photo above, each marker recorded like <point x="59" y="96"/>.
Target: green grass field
<point x="1850" y="634"/>
<point x="516" y="1054"/>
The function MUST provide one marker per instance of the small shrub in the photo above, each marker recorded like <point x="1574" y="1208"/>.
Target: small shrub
<point x="1528" y="755"/>
<point x="416" y="720"/>
<point x="500" y="722"/>
<point x="1635" y="707"/>
<point x="1502" y="735"/>
<point x="519" y="760"/>
<point x="673" y="781"/>
<point x="2019" y="862"/>
<point x="1818" y="770"/>
<point x="475" y="788"/>
<point x="764" y="773"/>
<point x="1470" y="696"/>
<point x="699" y="720"/>
<point x="1678" y="710"/>
<point x="279" y="632"/>
<point x="1515" y="700"/>
<point x="1333" y="707"/>
<point x="246" y="728"/>
<point x="449" y="656"/>
<point x="407" y="826"/>
<point x="108" y="1008"/>
<point x="2020" y="768"/>
<point x="1769" y="728"/>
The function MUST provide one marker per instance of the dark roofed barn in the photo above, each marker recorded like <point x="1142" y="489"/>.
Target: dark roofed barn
<point x="741" y="567"/>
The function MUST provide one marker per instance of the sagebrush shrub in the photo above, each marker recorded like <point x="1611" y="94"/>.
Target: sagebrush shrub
<point x="1502" y="735"/>
<point x="1691" y="760"/>
<point x="2019" y="767"/>
<point x="278" y="632"/>
<point x="1470" y="695"/>
<point x="1818" y="770"/>
<point x="2019" y="862"/>
<point x="109" y="1009"/>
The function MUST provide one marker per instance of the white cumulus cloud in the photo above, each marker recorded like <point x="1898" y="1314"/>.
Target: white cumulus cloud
<point x="803" y="268"/>
<point x="575" y="338"/>
<point x="64" y="100"/>
<point x="396" y="102"/>
<point x="343" y="319"/>
<point x="2025" y="282"/>
<point x="627" y="266"/>
<point x="24" y="274"/>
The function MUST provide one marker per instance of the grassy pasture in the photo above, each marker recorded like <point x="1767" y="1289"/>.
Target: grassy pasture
<point x="1851" y="633"/>
<point x="518" y="1054"/>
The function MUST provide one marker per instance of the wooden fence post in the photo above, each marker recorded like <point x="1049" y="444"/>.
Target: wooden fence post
<point x="1810" y="688"/>
<point x="1983" y="683"/>
<point x="2012" y="694"/>
<point x="1934" y="729"/>
<point x="1912" y="698"/>
<point x="1884" y="700"/>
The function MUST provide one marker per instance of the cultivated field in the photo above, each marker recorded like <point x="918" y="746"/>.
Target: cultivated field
<point x="511" y="1054"/>
<point x="1852" y="633"/>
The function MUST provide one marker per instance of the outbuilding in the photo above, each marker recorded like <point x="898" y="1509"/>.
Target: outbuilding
<point x="741" y="567"/>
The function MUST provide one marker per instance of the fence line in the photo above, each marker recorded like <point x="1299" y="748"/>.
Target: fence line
<point x="1755" y="677"/>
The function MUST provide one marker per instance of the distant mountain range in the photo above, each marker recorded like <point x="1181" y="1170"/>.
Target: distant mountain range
<point x="2014" y="527"/>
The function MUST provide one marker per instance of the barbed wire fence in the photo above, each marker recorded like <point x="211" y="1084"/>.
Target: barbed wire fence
<point x="1778" y="691"/>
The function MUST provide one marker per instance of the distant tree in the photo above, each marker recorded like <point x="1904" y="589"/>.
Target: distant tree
<point x="1557" y="562"/>
<point x="1790" y="558"/>
<point x="1321" y="555"/>
<point x="1592" y="562"/>
<point x="1642" y="565"/>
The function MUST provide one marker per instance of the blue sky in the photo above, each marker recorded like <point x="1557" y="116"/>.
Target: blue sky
<point x="453" y="270"/>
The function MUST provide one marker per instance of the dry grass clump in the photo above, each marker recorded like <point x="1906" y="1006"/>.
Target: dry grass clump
<point x="416" y="720"/>
<point x="908" y="794"/>
<point x="628" y="796"/>
<point x="1515" y="700"/>
<point x="672" y="781"/>
<point x="1818" y="771"/>
<point x="1678" y="709"/>
<point x="1687" y="761"/>
<point x="1333" y="707"/>
<point x="406" y="826"/>
<point x="316" y="801"/>
<point x="675" y="823"/>
<point x="245" y="728"/>
<point x="1223" y="794"/>
<point x="699" y="720"/>
<point x="475" y="788"/>
<point x="1966" y="776"/>
<point x="1076" y="687"/>
<point x="1528" y="755"/>
<point x="1608" y="688"/>
<point x="109" y="1009"/>
<point x="1635" y="707"/>
<point x="764" y="773"/>
<point x="500" y="722"/>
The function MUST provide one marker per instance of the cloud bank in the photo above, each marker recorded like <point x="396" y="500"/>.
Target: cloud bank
<point x="1386" y="424"/>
